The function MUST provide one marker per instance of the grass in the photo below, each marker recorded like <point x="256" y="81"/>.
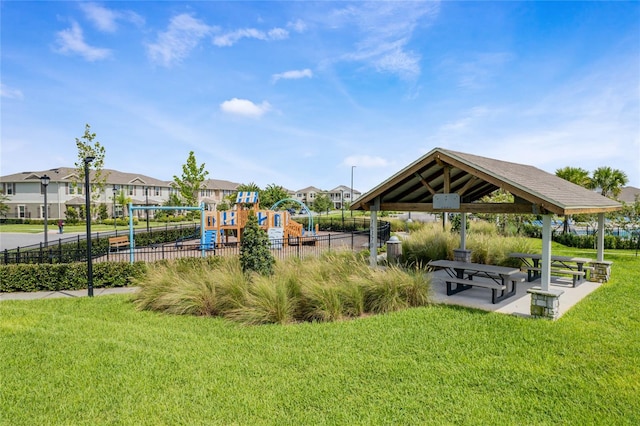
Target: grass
<point x="37" y="228"/>
<point x="101" y="361"/>
<point x="331" y="287"/>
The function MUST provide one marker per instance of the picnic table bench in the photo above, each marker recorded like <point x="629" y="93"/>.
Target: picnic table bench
<point x="501" y="280"/>
<point x="560" y="266"/>
<point x="117" y="242"/>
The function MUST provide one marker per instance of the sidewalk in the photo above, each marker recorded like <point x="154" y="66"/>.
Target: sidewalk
<point x="67" y="293"/>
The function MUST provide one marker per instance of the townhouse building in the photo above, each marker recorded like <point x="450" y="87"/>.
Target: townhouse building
<point x="340" y="196"/>
<point x="25" y="192"/>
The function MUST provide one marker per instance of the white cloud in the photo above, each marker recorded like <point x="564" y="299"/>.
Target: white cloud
<point x="245" y="107"/>
<point x="10" y="92"/>
<point x="106" y="19"/>
<point x="365" y="161"/>
<point x="298" y="26"/>
<point x="71" y="41"/>
<point x="229" y="39"/>
<point x="293" y="75"/>
<point x="182" y="36"/>
<point x="385" y="29"/>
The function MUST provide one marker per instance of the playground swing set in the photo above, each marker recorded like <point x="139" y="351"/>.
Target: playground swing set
<point x="216" y="226"/>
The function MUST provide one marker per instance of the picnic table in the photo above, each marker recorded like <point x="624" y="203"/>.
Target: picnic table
<point x="501" y="280"/>
<point x="560" y="265"/>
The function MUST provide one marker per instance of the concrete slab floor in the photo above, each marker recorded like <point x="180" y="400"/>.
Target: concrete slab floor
<point x="519" y="304"/>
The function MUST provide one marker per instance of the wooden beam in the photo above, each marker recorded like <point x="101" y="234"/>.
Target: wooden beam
<point x="425" y="183"/>
<point x="468" y="185"/>
<point x="464" y="208"/>
<point x="447" y="179"/>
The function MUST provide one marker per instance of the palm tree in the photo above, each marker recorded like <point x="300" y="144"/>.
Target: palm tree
<point x="123" y="200"/>
<point x="576" y="175"/>
<point x="609" y="181"/>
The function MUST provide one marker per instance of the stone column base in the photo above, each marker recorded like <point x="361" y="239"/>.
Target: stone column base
<point x="545" y="303"/>
<point x="601" y="271"/>
<point x="462" y="255"/>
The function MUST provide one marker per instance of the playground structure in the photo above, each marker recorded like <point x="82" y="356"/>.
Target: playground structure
<point x="219" y="225"/>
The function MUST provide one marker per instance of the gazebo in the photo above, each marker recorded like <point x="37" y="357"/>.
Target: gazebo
<point x="455" y="182"/>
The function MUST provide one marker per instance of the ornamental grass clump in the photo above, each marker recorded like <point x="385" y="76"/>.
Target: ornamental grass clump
<point x="428" y="243"/>
<point x="330" y="287"/>
<point x="267" y="301"/>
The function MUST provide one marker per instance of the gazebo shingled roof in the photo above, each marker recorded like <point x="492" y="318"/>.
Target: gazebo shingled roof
<point x="472" y="177"/>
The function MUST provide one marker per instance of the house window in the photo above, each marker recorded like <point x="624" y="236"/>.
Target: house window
<point x="22" y="212"/>
<point x="131" y="189"/>
<point x="8" y="188"/>
<point x="158" y="191"/>
<point x="42" y="212"/>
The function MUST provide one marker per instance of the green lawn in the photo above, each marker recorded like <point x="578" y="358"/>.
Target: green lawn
<point x="99" y="361"/>
<point x="35" y="228"/>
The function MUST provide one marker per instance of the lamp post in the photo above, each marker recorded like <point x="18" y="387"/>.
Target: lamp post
<point x="44" y="179"/>
<point x="342" y="206"/>
<point x="351" y="199"/>
<point x="146" y="203"/>
<point x="115" y="220"/>
<point x="87" y="213"/>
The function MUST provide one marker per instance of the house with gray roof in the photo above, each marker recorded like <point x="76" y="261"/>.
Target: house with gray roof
<point x="25" y="192"/>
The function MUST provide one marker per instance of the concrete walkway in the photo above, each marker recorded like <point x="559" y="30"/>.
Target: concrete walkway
<point x="67" y="293"/>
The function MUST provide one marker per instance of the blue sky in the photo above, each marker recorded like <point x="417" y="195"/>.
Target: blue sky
<point x="296" y="93"/>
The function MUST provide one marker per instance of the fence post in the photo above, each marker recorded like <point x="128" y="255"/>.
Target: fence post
<point x="6" y="256"/>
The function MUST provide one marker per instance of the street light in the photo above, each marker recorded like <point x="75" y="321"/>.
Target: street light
<point x="44" y="179"/>
<point x="342" y="206"/>
<point x="146" y="203"/>
<point x="115" y="191"/>
<point x="87" y="214"/>
<point x="351" y="199"/>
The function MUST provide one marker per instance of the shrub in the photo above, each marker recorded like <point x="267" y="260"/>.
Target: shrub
<point x="66" y="276"/>
<point x="255" y="255"/>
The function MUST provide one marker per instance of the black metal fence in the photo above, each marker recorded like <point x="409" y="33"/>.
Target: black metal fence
<point x="172" y="243"/>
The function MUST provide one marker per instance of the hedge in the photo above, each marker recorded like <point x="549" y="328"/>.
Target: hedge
<point x="66" y="276"/>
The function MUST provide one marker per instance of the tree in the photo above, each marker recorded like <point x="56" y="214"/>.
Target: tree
<point x="506" y="223"/>
<point x="192" y="181"/>
<point x="4" y="207"/>
<point x="272" y="194"/>
<point x="254" y="248"/>
<point x="322" y="203"/>
<point x="72" y="215"/>
<point x="123" y="200"/>
<point x="576" y="175"/>
<point x="609" y="181"/>
<point x="89" y="147"/>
